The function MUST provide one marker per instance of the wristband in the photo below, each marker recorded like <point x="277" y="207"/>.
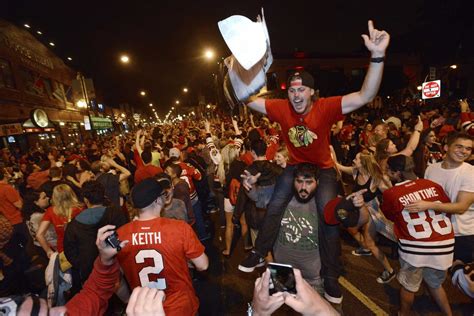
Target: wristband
<point x="377" y="59"/>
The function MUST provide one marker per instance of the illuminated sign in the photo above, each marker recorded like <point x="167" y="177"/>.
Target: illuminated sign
<point x="39" y="118"/>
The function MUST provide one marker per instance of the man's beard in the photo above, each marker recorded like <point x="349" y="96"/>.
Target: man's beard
<point x="306" y="199"/>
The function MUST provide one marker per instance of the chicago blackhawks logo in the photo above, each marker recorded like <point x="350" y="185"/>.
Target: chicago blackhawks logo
<point x="301" y="136"/>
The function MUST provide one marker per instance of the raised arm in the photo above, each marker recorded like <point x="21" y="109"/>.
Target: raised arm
<point x="414" y="139"/>
<point x="376" y="42"/>
<point x="257" y="104"/>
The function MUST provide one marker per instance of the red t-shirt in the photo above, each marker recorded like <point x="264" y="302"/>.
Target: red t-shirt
<point x="145" y="172"/>
<point x="157" y="256"/>
<point x="8" y="196"/>
<point x="189" y="174"/>
<point x="307" y="136"/>
<point x="59" y="223"/>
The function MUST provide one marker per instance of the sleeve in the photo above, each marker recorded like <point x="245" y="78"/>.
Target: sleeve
<point x="12" y="195"/>
<point x="272" y="150"/>
<point x="387" y="207"/>
<point x="443" y="196"/>
<point x="192" y="246"/>
<point x="332" y="109"/>
<point x="467" y="183"/>
<point x="47" y="217"/>
<point x="196" y="173"/>
<point x="94" y="297"/>
<point x="70" y="246"/>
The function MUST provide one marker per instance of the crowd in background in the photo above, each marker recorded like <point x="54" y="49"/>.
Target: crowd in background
<point x="54" y="200"/>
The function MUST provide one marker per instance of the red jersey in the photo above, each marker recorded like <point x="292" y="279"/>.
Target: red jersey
<point x="189" y="174"/>
<point x="144" y="172"/>
<point x="307" y="136"/>
<point x="59" y="223"/>
<point x="425" y="239"/>
<point x="157" y="256"/>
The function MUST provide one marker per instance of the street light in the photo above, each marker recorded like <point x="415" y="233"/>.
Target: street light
<point x="209" y="54"/>
<point x="69" y="58"/>
<point x="185" y="90"/>
<point x="124" y="59"/>
<point x="177" y="102"/>
<point x="143" y="93"/>
<point x="39" y="33"/>
<point x="27" y="26"/>
<point x="453" y="66"/>
<point x="151" y="104"/>
<point x="51" y="44"/>
<point x="418" y="88"/>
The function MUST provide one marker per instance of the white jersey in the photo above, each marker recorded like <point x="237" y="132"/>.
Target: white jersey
<point x="453" y="181"/>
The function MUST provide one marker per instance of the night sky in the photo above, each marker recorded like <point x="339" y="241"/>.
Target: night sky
<point x="166" y="39"/>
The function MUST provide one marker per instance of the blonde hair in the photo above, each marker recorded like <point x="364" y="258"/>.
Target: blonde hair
<point x="228" y="153"/>
<point x="64" y="200"/>
<point x="371" y="166"/>
<point x="283" y="150"/>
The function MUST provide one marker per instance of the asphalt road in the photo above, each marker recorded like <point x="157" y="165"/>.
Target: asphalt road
<point x="224" y="290"/>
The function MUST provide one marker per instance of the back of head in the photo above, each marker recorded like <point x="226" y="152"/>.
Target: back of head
<point x="145" y="193"/>
<point x="94" y="192"/>
<point x="63" y="200"/>
<point x="381" y="149"/>
<point x="146" y="156"/>
<point x="259" y="147"/>
<point x="55" y="172"/>
<point x="404" y="164"/>
<point x="44" y="165"/>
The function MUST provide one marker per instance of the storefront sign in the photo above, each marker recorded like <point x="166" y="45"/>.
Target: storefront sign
<point x="11" y="129"/>
<point x="101" y="122"/>
<point x="39" y="118"/>
<point x="87" y="123"/>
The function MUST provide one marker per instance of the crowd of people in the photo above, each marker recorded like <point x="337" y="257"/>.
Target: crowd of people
<point x="128" y="214"/>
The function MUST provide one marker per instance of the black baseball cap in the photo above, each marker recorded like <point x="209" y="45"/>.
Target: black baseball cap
<point x="305" y="77"/>
<point x="145" y="193"/>
<point x="341" y="211"/>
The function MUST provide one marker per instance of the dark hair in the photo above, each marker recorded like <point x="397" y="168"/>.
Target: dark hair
<point x="55" y="172"/>
<point x="307" y="170"/>
<point x="452" y="137"/>
<point x="85" y="166"/>
<point x="29" y="206"/>
<point x="44" y="165"/>
<point x="164" y="180"/>
<point x="146" y="156"/>
<point x="2" y="173"/>
<point x="259" y="147"/>
<point x="176" y="169"/>
<point x="93" y="191"/>
<point x="69" y="170"/>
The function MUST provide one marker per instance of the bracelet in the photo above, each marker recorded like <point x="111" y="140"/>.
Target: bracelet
<point x="377" y="59"/>
<point x="249" y="309"/>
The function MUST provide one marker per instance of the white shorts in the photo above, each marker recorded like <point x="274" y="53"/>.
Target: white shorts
<point x="228" y="207"/>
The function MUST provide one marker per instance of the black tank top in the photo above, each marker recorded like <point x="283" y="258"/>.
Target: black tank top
<point x="369" y="195"/>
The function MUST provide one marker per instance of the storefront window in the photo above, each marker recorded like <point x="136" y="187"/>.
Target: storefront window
<point x="6" y="75"/>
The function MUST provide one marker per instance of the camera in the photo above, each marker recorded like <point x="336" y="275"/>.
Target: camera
<point x="114" y="241"/>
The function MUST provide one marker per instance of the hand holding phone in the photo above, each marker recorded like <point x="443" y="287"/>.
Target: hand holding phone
<point x="282" y="278"/>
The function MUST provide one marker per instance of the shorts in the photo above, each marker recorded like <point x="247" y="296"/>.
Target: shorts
<point x="228" y="207"/>
<point x="410" y="277"/>
<point x="464" y="248"/>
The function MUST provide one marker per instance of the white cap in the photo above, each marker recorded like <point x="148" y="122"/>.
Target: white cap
<point x="247" y="40"/>
<point x="175" y="152"/>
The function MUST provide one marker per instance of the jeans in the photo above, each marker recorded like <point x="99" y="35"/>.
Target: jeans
<point x="330" y="246"/>
<point x="200" y="225"/>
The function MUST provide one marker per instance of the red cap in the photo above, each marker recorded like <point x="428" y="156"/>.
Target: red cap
<point x="329" y="211"/>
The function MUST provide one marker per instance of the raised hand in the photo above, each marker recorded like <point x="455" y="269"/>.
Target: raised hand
<point x="248" y="180"/>
<point x="377" y="41"/>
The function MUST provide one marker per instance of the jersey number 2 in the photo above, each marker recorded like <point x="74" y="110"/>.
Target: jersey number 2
<point x="427" y="229"/>
<point x="157" y="267"/>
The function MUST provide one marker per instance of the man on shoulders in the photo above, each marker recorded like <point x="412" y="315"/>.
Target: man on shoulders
<point x="306" y="124"/>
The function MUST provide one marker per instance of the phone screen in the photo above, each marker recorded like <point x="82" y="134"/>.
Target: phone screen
<point x="282" y="278"/>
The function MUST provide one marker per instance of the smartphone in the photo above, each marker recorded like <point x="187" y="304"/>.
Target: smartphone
<point x="282" y="278"/>
<point x="114" y="241"/>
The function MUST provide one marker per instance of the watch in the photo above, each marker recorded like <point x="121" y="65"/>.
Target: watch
<point x="377" y="59"/>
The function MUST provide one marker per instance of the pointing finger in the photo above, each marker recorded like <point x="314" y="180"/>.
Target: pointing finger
<point x="371" y="29"/>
